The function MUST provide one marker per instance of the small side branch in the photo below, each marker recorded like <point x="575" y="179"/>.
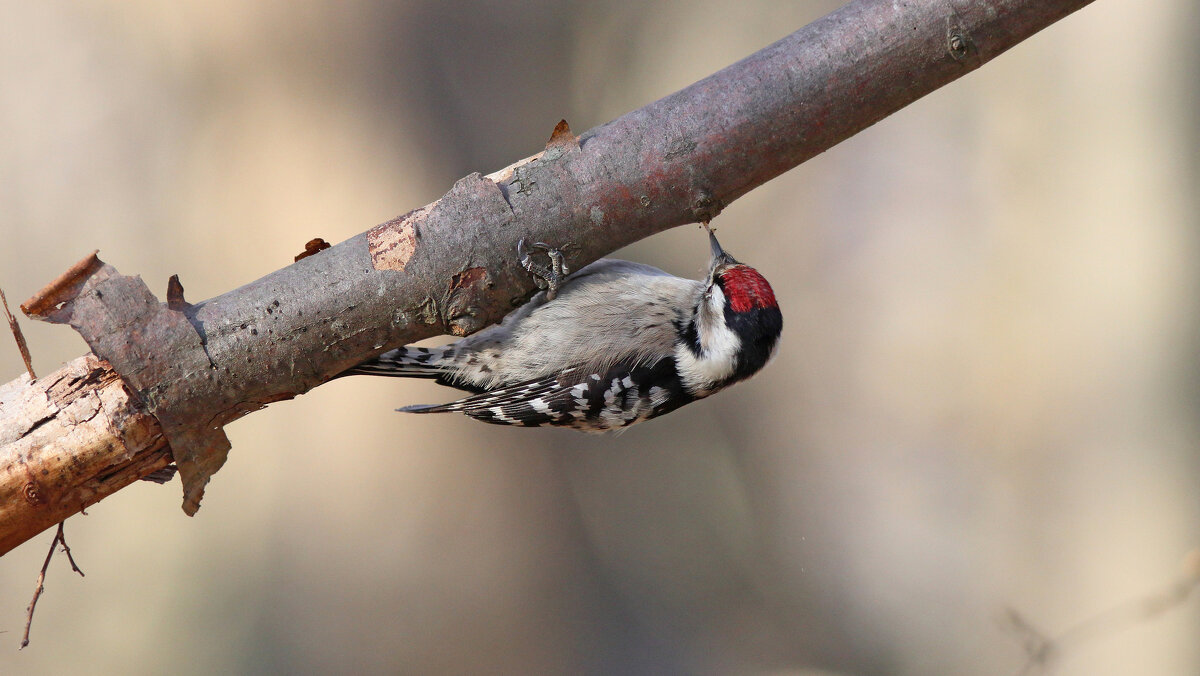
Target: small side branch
<point x="59" y="538"/>
<point x="20" y="337"/>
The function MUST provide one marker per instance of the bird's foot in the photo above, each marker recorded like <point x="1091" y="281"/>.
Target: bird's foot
<point x="548" y="278"/>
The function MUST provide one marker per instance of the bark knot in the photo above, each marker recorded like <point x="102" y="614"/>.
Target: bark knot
<point x="33" y="494"/>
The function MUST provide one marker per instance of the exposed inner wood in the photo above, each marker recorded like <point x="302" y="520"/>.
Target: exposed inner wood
<point x="67" y="441"/>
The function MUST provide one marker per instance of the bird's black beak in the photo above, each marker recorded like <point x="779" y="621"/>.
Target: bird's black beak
<point x="719" y="257"/>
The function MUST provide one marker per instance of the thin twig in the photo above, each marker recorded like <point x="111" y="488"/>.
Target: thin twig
<point x="1043" y="651"/>
<point x="16" y="331"/>
<point x="67" y="550"/>
<point x="59" y="537"/>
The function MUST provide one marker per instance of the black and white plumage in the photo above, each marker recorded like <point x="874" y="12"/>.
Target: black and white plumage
<point x="620" y="343"/>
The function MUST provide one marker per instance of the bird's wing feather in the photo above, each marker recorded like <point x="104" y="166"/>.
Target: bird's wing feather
<point x="624" y="394"/>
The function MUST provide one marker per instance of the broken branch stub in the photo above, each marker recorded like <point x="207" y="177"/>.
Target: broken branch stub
<point x="561" y="139"/>
<point x="312" y="248"/>
<point x="156" y="351"/>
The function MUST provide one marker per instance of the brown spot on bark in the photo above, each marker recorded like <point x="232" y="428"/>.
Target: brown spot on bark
<point x="462" y="297"/>
<point x="705" y="206"/>
<point x="392" y="244"/>
<point x="466" y="278"/>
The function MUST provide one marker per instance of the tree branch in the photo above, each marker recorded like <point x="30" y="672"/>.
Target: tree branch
<point x="448" y="267"/>
<point x="67" y="440"/>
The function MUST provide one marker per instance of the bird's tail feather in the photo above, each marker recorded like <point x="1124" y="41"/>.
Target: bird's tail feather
<point x="404" y="362"/>
<point x="426" y="408"/>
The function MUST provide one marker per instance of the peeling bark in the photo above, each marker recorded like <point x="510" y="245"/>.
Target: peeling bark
<point x="160" y="355"/>
<point x="67" y="440"/>
<point x="449" y="267"/>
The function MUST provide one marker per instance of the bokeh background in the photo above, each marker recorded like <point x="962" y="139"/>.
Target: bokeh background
<point x="986" y="395"/>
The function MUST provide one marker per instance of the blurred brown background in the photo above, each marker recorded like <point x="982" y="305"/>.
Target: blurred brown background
<point x="986" y="394"/>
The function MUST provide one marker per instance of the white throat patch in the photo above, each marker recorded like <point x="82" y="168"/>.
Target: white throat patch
<point x="718" y="348"/>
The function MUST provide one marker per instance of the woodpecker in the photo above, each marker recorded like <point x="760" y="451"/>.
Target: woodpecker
<point x="608" y="346"/>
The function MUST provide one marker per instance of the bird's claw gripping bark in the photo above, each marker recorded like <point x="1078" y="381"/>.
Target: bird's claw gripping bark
<point x="548" y="278"/>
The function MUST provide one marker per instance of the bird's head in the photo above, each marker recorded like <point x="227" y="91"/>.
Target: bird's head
<point x="735" y="287"/>
<point x="736" y="325"/>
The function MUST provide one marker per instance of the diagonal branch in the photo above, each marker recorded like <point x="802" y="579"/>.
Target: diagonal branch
<point x="448" y="266"/>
